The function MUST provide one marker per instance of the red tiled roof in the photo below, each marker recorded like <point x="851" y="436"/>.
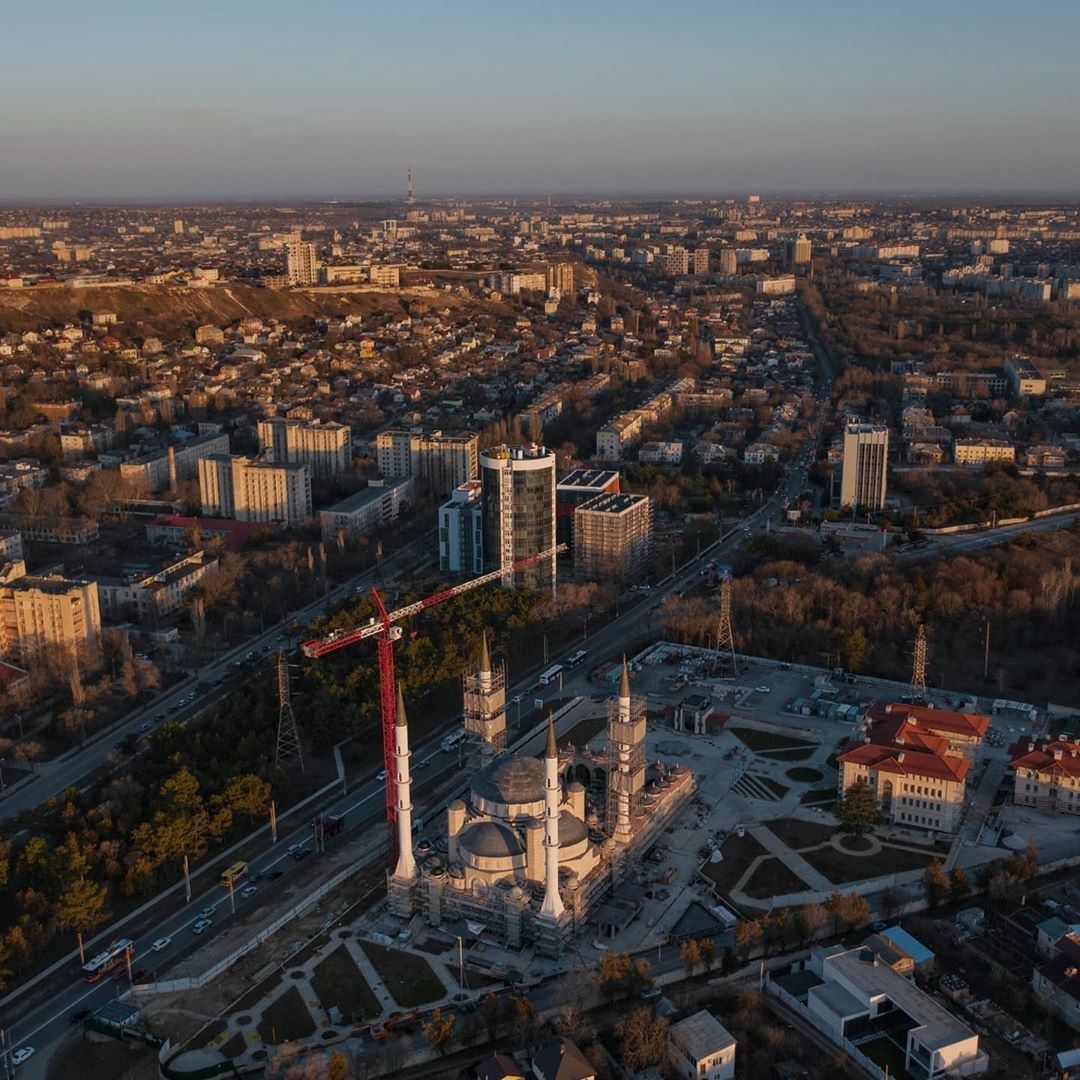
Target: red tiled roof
<point x="904" y="761"/>
<point x="1028" y="754"/>
<point x="937" y="720"/>
<point x="10" y="675"/>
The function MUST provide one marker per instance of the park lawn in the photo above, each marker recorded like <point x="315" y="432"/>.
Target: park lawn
<point x="235" y="1046"/>
<point x="803" y="775"/>
<point x="739" y="853"/>
<point x="799" y="834"/>
<point x="286" y="1019"/>
<point x="819" y="795"/>
<point x="778" y="789"/>
<point x="257" y="992"/>
<point x="842" y="869"/>
<point x="757" y="740"/>
<point x="773" y="878"/>
<point x="210" y="1033"/>
<point x="408" y="977"/>
<point x="337" y="981"/>
<point x="797" y="754"/>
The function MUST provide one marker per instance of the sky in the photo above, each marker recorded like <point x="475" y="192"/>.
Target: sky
<point x="157" y="100"/>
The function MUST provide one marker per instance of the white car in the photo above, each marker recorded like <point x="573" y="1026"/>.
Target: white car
<point x="294" y="848"/>
<point x="382" y="775"/>
<point x="200" y="925"/>
<point x="161" y="943"/>
<point x="762" y="689"/>
<point x="24" y="1053"/>
<point x="206" y="912"/>
<point x="248" y="890"/>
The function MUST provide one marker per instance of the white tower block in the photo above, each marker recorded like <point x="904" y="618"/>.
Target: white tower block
<point x="552" y="906"/>
<point x="406" y="865"/>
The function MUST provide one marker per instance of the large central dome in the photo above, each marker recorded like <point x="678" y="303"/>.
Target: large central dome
<point x="512" y="781"/>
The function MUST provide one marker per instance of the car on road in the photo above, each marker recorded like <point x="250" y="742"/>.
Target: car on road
<point x="200" y="925"/>
<point x="160" y="716"/>
<point x="294" y="848"/>
<point x="248" y="890"/>
<point x="301" y="853"/>
<point x="144" y="728"/>
<point x="206" y="912"/>
<point x="24" y="1053"/>
<point x="763" y="689"/>
<point x="161" y="943"/>
<point x="79" y="1015"/>
<point x="381" y="775"/>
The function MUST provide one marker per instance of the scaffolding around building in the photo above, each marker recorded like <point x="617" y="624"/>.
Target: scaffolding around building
<point x="484" y="694"/>
<point x="625" y="763"/>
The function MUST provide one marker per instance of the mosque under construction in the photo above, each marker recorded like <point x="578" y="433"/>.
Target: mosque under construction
<point x="537" y="849"/>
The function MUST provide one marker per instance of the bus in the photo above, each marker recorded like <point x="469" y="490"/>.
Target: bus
<point x="108" y="960"/>
<point x="551" y="674"/>
<point x="232" y="874"/>
<point x="577" y="658"/>
<point x="451" y="740"/>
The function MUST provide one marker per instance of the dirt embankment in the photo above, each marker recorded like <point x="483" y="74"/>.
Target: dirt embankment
<point x="172" y="310"/>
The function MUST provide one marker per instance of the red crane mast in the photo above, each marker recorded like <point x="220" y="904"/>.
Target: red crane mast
<point x="383" y="628"/>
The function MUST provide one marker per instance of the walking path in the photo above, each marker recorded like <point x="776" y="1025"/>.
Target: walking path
<point x="792" y="859"/>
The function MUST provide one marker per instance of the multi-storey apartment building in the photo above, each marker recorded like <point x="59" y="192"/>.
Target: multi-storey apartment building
<point x="443" y="462"/>
<point x="865" y="465"/>
<point x="301" y="264"/>
<point x="368" y="509"/>
<point x="248" y="490"/>
<point x="161" y="470"/>
<point x="461" y="530"/>
<point x="149" y="598"/>
<point x="324" y="448"/>
<point x="518" y="486"/>
<point x="577" y="487"/>
<point x="38" y="612"/>
<point x="1047" y="774"/>
<point x="613" y="537"/>
<point x="1025" y="377"/>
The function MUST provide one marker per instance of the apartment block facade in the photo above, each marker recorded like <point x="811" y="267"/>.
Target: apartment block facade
<point x="613" y="537"/>
<point x="239" y="487"/>
<point x="38" y="612"/>
<point x="443" y="462"/>
<point x="461" y="530"/>
<point x="865" y="465"/>
<point x="324" y="448"/>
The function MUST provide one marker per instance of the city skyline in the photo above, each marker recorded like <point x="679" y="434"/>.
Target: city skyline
<point x="244" y="103"/>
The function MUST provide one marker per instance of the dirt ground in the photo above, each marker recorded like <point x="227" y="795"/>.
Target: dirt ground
<point x="109" y="1060"/>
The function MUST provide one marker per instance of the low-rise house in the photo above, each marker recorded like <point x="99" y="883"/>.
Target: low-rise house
<point x="560" y="1059"/>
<point x="1057" y="981"/>
<point x="701" y="1048"/>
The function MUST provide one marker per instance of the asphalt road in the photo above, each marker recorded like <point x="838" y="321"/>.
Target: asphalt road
<point x="182" y="703"/>
<point x="964" y="542"/>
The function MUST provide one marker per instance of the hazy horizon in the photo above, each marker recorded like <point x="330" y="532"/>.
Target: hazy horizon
<point x="128" y="102"/>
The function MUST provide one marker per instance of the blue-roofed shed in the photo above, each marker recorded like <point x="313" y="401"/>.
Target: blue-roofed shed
<point x="919" y="953"/>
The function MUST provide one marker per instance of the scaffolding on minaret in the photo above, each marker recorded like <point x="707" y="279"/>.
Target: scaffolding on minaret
<point x="288" y="737"/>
<point x="725" y="664"/>
<point x="625" y="760"/>
<point x="918" y="666"/>
<point x="484" y="697"/>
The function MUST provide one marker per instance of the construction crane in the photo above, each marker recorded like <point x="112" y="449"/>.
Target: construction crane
<point x="382" y="627"/>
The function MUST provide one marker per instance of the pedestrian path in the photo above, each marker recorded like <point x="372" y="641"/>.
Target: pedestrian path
<point x="792" y="859"/>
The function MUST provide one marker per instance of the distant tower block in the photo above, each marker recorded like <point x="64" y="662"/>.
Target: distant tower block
<point x="485" y="700"/>
<point x="288" y="737"/>
<point x="918" y="666"/>
<point x="725" y="659"/>
<point x="409" y="199"/>
<point x="627" y="716"/>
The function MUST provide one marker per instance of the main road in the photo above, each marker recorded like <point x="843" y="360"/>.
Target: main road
<point x="184" y="700"/>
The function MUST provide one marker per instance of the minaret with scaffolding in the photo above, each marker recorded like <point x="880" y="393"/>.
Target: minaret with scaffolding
<point x="288" y="737"/>
<point x="918" y="666"/>
<point x="484" y="692"/>
<point x="725" y="663"/>
<point x="625" y="759"/>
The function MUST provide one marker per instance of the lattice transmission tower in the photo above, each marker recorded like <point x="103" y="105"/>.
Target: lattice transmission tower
<point x="725" y="660"/>
<point x="918" y="666"/>
<point x="288" y="737"/>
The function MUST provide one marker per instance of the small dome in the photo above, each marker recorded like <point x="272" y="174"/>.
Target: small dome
<point x="491" y="840"/>
<point x="511" y="781"/>
<point x="571" y="829"/>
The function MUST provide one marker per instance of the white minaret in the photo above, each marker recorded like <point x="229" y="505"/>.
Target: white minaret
<point x="552" y="906"/>
<point x="406" y="865"/>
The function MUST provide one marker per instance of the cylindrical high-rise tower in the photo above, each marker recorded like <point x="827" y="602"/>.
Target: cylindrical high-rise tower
<point x="406" y="864"/>
<point x="552" y="906"/>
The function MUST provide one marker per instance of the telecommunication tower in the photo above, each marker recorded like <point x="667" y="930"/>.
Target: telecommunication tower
<point x="288" y="737"/>
<point x="409" y="199"/>
<point x="918" y="666"/>
<point x="725" y="661"/>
